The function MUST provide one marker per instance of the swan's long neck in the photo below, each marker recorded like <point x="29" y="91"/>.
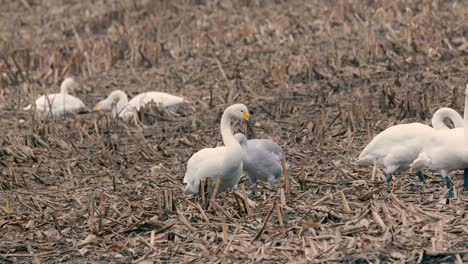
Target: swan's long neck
<point x="226" y="132"/>
<point x="64" y="88"/>
<point x="465" y="114"/>
<point x="122" y="102"/>
<point x="442" y="113"/>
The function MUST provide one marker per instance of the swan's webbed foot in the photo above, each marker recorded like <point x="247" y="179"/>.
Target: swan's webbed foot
<point x="465" y="179"/>
<point x="420" y="175"/>
<point x="389" y="176"/>
<point x="449" y="184"/>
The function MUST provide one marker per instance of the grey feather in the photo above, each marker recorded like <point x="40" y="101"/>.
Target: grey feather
<point x="262" y="159"/>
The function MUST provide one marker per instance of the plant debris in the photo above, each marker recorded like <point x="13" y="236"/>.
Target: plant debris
<point x="320" y="78"/>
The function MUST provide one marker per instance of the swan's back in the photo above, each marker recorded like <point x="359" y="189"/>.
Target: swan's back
<point x="411" y="135"/>
<point x="59" y="104"/>
<point x="224" y="162"/>
<point x="167" y="100"/>
<point x="266" y="145"/>
<point x="445" y="150"/>
<point x="263" y="159"/>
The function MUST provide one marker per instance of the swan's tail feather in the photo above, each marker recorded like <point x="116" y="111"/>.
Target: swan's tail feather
<point x="423" y="161"/>
<point x="27" y="108"/>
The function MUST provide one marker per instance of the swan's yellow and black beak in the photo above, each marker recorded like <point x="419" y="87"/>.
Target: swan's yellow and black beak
<point x="96" y="108"/>
<point x="246" y="116"/>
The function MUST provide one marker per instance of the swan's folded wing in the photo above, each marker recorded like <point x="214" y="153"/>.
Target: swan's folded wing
<point x="266" y="145"/>
<point x="384" y="143"/>
<point x="44" y="101"/>
<point x="165" y="99"/>
<point x="263" y="158"/>
<point x="204" y="163"/>
<point x="170" y="100"/>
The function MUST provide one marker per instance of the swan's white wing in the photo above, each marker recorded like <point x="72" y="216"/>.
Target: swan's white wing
<point x="44" y="101"/>
<point x="59" y="104"/>
<point x="203" y="164"/>
<point x="167" y="100"/>
<point x="413" y="136"/>
<point x="446" y="150"/>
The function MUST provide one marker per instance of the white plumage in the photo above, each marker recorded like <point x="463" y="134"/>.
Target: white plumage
<point x="117" y="103"/>
<point x="224" y="161"/>
<point x="396" y="147"/>
<point x="59" y="104"/>
<point x="166" y="100"/>
<point x="446" y="113"/>
<point x="446" y="150"/>
<point x="261" y="160"/>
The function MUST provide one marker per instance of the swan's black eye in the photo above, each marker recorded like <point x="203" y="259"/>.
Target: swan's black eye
<point x="242" y="111"/>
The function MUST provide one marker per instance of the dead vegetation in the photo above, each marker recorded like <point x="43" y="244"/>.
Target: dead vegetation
<point x="320" y="77"/>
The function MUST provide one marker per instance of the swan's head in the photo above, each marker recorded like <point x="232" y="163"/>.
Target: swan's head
<point x="191" y="189"/>
<point x="113" y="99"/>
<point x="241" y="138"/>
<point x="69" y="84"/>
<point x="239" y="111"/>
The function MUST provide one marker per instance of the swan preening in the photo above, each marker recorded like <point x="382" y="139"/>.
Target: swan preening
<point x="223" y="162"/>
<point x="261" y="160"/>
<point x="398" y="146"/>
<point x="117" y="102"/>
<point x="446" y="150"/>
<point x="59" y="104"/>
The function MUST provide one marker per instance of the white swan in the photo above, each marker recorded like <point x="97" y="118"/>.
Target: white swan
<point x="59" y="104"/>
<point x="396" y="147"/>
<point x="446" y="150"/>
<point x="262" y="160"/>
<point x="168" y="101"/>
<point x="224" y="162"/>
<point x="117" y="103"/>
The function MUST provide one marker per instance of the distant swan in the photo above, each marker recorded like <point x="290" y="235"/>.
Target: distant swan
<point x="446" y="150"/>
<point x="262" y="160"/>
<point x="396" y="147"/>
<point x="59" y="104"/>
<point x="223" y="162"/>
<point x="117" y="103"/>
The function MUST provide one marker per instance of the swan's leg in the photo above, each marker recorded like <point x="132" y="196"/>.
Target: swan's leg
<point x="390" y="170"/>
<point x="389" y="176"/>
<point x="271" y="181"/>
<point x="448" y="182"/>
<point x="465" y="178"/>
<point x="254" y="185"/>
<point x="420" y="175"/>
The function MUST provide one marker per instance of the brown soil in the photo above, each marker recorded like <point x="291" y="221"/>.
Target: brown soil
<point x="319" y="77"/>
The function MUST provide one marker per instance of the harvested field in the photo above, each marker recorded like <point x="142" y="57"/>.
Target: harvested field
<point x="321" y="78"/>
